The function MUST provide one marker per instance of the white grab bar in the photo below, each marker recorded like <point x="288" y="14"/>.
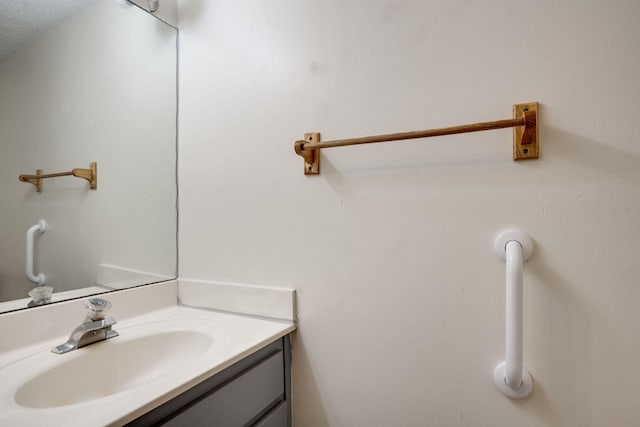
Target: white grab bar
<point x="31" y="237"/>
<point x="510" y="376"/>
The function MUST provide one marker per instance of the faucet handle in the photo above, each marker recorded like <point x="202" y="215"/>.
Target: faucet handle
<point x="96" y="308"/>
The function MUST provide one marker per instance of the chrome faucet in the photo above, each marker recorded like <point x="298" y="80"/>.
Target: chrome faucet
<point x="94" y="328"/>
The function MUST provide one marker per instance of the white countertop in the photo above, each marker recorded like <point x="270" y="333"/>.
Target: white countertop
<point x="234" y="337"/>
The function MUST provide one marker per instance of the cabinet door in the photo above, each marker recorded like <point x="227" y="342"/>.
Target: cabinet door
<point x="278" y="417"/>
<point x="239" y="401"/>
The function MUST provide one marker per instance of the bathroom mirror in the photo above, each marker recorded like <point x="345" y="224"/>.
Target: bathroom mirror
<point x="97" y="83"/>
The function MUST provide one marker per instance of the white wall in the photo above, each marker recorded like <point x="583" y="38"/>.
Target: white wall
<point x="390" y="249"/>
<point x="100" y="87"/>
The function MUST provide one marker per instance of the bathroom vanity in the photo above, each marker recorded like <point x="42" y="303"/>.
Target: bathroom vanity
<point x="170" y="365"/>
<point x="255" y="391"/>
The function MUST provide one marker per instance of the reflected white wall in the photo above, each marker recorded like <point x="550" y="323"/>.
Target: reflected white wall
<point x="99" y="88"/>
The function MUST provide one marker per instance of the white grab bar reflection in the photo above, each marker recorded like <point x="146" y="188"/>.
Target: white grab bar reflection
<point x="31" y="237"/>
<point x="510" y="376"/>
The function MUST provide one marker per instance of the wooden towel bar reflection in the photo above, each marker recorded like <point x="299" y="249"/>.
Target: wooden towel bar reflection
<point x="90" y="175"/>
<point x="525" y="140"/>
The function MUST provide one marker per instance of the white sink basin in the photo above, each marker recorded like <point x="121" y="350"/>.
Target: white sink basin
<point x="112" y="366"/>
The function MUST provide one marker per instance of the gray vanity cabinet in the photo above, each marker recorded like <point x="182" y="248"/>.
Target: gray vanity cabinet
<point x="255" y="391"/>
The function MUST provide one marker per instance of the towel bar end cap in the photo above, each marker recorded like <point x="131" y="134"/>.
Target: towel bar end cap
<point x="311" y="156"/>
<point x="526" y="140"/>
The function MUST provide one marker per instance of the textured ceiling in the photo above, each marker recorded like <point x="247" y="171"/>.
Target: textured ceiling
<point x="22" y="20"/>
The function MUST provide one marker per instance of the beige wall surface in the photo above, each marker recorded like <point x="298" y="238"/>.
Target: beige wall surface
<point x="400" y="295"/>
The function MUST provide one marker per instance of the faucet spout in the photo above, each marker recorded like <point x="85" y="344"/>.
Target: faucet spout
<point x="88" y="332"/>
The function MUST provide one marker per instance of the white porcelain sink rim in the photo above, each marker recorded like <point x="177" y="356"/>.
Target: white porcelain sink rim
<point x="41" y="361"/>
<point x="100" y="370"/>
